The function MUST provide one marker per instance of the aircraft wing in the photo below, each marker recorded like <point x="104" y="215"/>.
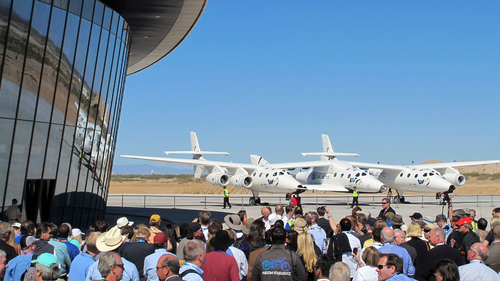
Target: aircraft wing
<point x="423" y="166"/>
<point x="455" y="164"/>
<point x="231" y="167"/>
<point x="325" y="187"/>
<point x="295" y="165"/>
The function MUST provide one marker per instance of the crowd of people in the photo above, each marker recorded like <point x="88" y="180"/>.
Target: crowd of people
<point x="285" y="243"/>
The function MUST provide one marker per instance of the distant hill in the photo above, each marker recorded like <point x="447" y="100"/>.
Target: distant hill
<point x="145" y="169"/>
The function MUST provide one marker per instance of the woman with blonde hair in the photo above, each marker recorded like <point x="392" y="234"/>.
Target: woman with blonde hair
<point x="421" y="246"/>
<point x="12" y="241"/>
<point x="305" y="251"/>
<point x="366" y="270"/>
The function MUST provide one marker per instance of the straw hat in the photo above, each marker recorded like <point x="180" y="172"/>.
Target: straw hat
<point x="123" y="221"/>
<point x="110" y="240"/>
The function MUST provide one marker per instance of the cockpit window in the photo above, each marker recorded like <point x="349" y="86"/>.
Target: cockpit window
<point x="425" y="174"/>
<point x="288" y="173"/>
<point x="400" y="175"/>
<point x="281" y="173"/>
<point x="275" y="173"/>
<point x="431" y="174"/>
<point x="357" y="175"/>
<point x="416" y="175"/>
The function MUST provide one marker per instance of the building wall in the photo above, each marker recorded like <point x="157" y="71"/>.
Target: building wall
<point x="62" y="75"/>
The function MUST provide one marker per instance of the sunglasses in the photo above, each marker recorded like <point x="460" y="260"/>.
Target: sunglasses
<point x="382" y="266"/>
<point x="120" y="266"/>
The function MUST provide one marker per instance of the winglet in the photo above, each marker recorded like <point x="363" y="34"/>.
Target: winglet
<point x="196" y="151"/>
<point x="328" y="153"/>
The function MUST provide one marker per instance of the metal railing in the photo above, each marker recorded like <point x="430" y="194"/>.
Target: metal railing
<point x="215" y="200"/>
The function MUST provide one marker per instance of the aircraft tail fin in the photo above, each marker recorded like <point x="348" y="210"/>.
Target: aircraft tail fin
<point x="258" y="160"/>
<point x="196" y="151"/>
<point x="328" y="152"/>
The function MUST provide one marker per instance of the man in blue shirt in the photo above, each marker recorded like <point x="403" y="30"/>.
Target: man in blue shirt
<point x="82" y="262"/>
<point x="194" y="255"/>
<point x="150" y="262"/>
<point x="318" y="234"/>
<point x="18" y="265"/>
<point x="388" y="247"/>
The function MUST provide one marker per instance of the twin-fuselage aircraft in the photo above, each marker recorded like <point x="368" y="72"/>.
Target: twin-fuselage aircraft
<point x="327" y="174"/>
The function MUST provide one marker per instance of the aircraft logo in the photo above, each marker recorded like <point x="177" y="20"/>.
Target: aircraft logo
<point x="424" y="181"/>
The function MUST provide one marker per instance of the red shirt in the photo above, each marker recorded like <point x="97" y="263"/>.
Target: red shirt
<point x="220" y="267"/>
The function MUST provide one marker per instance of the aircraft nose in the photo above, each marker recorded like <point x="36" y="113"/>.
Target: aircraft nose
<point x="383" y="188"/>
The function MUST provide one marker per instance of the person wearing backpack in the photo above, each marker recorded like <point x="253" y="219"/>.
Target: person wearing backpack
<point x="194" y="255"/>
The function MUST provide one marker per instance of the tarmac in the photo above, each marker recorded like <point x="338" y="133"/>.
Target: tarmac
<point x="177" y="209"/>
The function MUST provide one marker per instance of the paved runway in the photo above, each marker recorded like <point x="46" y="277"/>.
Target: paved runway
<point x="184" y="208"/>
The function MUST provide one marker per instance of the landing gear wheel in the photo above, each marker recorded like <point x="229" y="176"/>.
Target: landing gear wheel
<point x="395" y="200"/>
<point x="251" y="201"/>
<point x="402" y="199"/>
<point x="258" y="200"/>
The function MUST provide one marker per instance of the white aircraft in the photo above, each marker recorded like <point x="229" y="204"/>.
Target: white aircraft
<point x="435" y="178"/>
<point x="260" y="176"/>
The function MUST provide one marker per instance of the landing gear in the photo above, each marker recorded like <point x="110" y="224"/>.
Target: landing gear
<point x="255" y="199"/>
<point x="399" y="198"/>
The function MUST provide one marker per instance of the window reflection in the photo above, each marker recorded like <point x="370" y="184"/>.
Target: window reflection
<point x="4" y="10"/>
<point x="51" y="63"/>
<point x="98" y="12"/>
<point x="14" y="58"/>
<point x="107" y="18"/>
<point x="88" y="9"/>
<point x="75" y="6"/>
<point x="19" y="160"/>
<point x="38" y="147"/>
<point x="6" y="133"/>
<point x="55" y="139"/>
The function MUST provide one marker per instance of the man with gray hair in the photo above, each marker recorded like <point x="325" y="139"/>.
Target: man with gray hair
<point x="388" y="247"/>
<point x="194" y="255"/>
<point x="111" y="266"/>
<point x="318" y="234"/>
<point x="46" y="268"/>
<point x="4" y="237"/>
<point x="3" y="262"/>
<point x="340" y="271"/>
<point x="440" y="251"/>
<point x="476" y="269"/>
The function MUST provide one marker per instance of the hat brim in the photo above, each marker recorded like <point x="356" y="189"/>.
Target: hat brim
<point x="221" y="245"/>
<point x="103" y="247"/>
<point x="231" y="225"/>
<point x="246" y="228"/>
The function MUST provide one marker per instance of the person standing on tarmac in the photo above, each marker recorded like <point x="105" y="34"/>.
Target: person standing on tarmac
<point x="226" y="198"/>
<point x="355" y="196"/>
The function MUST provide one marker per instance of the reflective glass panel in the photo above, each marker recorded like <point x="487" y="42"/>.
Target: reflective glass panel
<point x="63" y="4"/>
<point x="51" y="65"/>
<point x="108" y="13"/>
<point x="75" y="6"/>
<point x="98" y="12"/>
<point x="4" y="10"/>
<point x="34" y="61"/>
<point x="88" y="9"/>
<point x="55" y="138"/>
<point x="19" y="160"/>
<point x="114" y="23"/>
<point x="6" y="133"/>
<point x="65" y="68"/>
<point x="38" y="147"/>
<point x="14" y="57"/>
<point x="89" y="103"/>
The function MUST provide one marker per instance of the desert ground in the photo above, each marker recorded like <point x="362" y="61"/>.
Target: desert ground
<point x="481" y="180"/>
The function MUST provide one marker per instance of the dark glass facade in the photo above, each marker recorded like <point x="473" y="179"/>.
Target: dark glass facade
<point x="62" y="74"/>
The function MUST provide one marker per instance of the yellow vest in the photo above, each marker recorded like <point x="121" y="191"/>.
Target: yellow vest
<point x="355" y="193"/>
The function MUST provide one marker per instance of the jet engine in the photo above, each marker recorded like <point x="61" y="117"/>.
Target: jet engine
<point x="455" y="179"/>
<point x="242" y="181"/>
<point x="218" y="179"/>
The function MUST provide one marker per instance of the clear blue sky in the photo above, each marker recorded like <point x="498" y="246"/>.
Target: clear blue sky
<point x="395" y="81"/>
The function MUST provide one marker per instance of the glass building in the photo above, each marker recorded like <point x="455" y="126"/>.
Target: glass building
<point x="63" y="65"/>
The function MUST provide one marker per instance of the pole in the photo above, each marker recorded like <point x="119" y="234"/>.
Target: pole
<point x="174" y="201"/>
<point x="205" y="202"/>
<point x="422" y="201"/>
<point x="477" y="200"/>
<point x="373" y="204"/>
<point x="122" y="201"/>
<point x="144" y="201"/>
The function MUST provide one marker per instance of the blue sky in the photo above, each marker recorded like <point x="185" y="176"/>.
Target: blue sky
<point x="395" y="81"/>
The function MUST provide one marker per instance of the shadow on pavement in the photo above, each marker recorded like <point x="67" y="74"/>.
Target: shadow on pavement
<point x="172" y="216"/>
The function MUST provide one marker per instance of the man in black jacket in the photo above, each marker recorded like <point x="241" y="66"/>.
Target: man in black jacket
<point x="440" y="251"/>
<point x="386" y="208"/>
<point x="5" y="233"/>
